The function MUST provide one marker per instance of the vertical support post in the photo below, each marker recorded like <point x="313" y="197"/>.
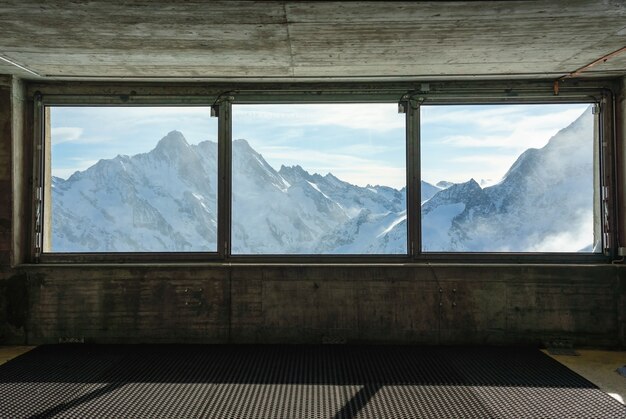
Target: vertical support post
<point x="224" y="141"/>
<point x="597" y="181"/>
<point x="413" y="177"/>
<point x="47" y="183"/>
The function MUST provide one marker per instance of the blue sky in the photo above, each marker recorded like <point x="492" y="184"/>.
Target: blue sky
<point x="482" y="141"/>
<point x="83" y="135"/>
<point x="360" y="143"/>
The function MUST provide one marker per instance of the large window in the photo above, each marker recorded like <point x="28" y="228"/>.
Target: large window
<point x="323" y="176"/>
<point x="319" y="179"/>
<point x="509" y="178"/>
<point x="131" y="179"/>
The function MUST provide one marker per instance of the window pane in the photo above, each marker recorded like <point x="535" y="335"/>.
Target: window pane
<point x="131" y="179"/>
<point x="318" y="179"/>
<point x="509" y="178"/>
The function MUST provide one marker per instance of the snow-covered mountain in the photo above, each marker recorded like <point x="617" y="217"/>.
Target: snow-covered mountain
<point x="543" y="204"/>
<point x="166" y="200"/>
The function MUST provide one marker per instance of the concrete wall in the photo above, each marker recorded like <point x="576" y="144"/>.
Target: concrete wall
<point x="211" y="303"/>
<point x="477" y="304"/>
<point x="12" y="305"/>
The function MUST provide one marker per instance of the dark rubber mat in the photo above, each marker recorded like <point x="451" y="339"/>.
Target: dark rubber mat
<point x="282" y="381"/>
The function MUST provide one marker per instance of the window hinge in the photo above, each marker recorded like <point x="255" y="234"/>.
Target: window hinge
<point x="37" y="247"/>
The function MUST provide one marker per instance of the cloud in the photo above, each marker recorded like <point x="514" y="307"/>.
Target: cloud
<point x="513" y="126"/>
<point x="480" y="167"/>
<point x="371" y="149"/>
<point x="478" y="159"/>
<point x="569" y="241"/>
<point x="518" y="139"/>
<point x="133" y="113"/>
<point x="79" y="164"/>
<point x="378" y="117"/>
<point x="65" y="134"/>
<point x="482" y="142"/>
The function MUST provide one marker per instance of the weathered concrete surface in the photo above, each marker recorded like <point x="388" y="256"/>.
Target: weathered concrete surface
<point x="293" y="40"/>
<point x="22" y="152"/>
<point x="13" y="291"/>
<point x="14" y="306"/>
<point x="621" y="305"/>
<point x="129" y="305"/>
<point x="6" y="166"/>
<point x="319" y="304"/>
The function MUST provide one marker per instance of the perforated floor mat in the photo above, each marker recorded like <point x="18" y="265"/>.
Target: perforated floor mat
<point x="276" y="381"/>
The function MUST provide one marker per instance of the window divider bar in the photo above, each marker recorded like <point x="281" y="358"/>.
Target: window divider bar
<point x="225" y="178"/>
<point x="413" y="179"/>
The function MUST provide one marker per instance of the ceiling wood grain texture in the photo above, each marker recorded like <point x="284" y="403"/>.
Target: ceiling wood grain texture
<point x="310" y="40"/>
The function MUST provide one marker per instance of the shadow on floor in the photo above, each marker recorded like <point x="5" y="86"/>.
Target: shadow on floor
<point x="295" y="381"/>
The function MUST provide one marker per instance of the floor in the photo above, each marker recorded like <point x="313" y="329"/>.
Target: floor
<point x="599" y="367"/>
<point x="331" y="381"/>
<point x="9" y="352"/>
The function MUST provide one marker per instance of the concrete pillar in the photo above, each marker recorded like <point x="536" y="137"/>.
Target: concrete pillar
<point x="6" y="170"/>
<point x="13" y="285"/>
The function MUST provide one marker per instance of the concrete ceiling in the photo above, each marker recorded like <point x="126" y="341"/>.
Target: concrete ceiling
<point x="289" y="40"/>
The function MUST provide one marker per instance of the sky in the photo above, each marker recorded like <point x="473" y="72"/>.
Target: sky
<point x="482" y="142"/>
<point x="359" y="143"/>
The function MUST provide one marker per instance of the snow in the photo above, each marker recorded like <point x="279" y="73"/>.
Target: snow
<point x="314" y="186"/>
<point x="543" y="204"/>
<point x="166" y="200"/>
<point x="395" y="222"/>
<point x="436" y="225"/>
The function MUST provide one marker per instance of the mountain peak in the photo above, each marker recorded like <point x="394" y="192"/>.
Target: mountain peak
<point x="443" y="184"/>
<point x="242" y="143"/>
<point x="294" y="174"/>
<point x="297" y="168"/>
<point x="469" y="187"/>
<point x="459" y="192"/>
<point x="174" y="140"/>
<point x="472" y="183"/>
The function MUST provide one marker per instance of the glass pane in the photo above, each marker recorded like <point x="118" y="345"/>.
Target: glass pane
<point x="509" y="178"/>
<point x="319" y="179"/>
<point x="131" y="179"/>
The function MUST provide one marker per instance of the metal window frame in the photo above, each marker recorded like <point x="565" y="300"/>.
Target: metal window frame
<point x="44" y="102"/>
<point x="517" y="257"/>
<point x="323" y="98"/>
<point x="411" y="95"/>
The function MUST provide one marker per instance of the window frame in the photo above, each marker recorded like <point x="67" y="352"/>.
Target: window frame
<point x="516" y="257"/>
<point x="298" y="98"/>
<point x="41" y="174"/>
<point x="442" y="93"/>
